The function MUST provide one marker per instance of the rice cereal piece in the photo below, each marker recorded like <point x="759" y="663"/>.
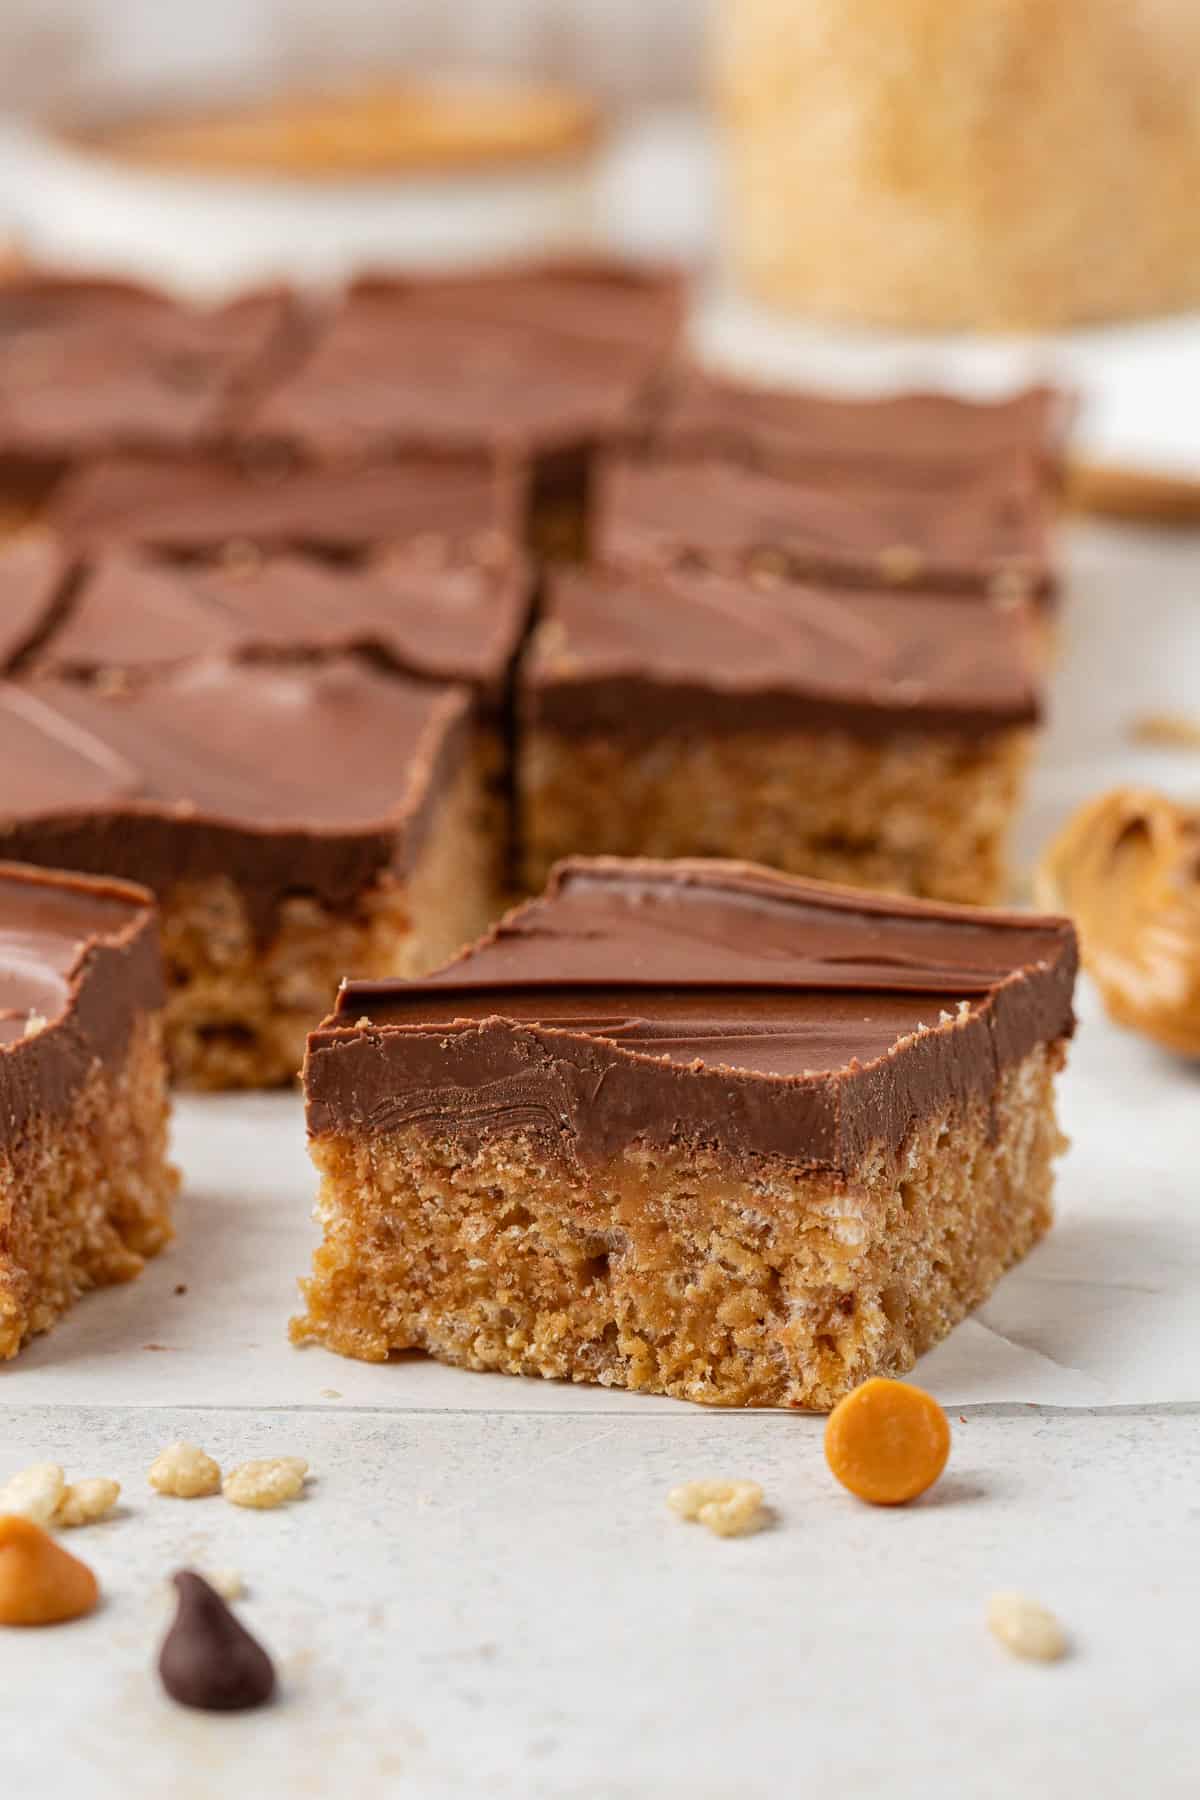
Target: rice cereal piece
<point x="1026" y="1627"/>
<point x="34" y="1493"/>
<point x="265" y="1482"/>
<point x="728" y="1508"/>
<point x="186" y="1472"/>
<point x="87" y="1502"/>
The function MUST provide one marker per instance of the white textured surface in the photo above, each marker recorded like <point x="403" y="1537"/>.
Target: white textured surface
<point x="473" y="1605"/>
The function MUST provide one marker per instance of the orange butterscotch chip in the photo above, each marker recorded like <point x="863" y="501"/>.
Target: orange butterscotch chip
<point x="40" y="1582"/>
<point x="887" y="1442"/>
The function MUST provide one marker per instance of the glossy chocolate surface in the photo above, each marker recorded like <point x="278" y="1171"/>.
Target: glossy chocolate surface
<point x="79" y="960"/>
<point x="92" y="367"/>
<point x="198" y="504"/>
<point x="643" y="653"/>
<point x="386" y="379"/>
<point x="603" y="299"/>
<point x="289" y="779"/>
<point x="34" y="568"/>
<point x="693" y="1001"/>
<point x="427" y="610"/>
<point x="908" y="437"/>
<point x="975" y="530"/>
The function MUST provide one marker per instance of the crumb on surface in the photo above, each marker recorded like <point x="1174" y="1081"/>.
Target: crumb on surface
<point x="1026" y="1628"/>
<point x="266" y="1482"/>
<point x="728" y="1508"/>
<point x="185" y="1471"/>
<point x="87" y="1502"/>
<point x="1170" y="730"/>
<point x="34" y="1493"/>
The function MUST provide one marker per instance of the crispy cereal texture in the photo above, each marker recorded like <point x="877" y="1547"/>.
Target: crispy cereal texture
<point x="239" y="1011"/>
<point x="86" y="1198"/>
<point x="917" y="814"/>
<point x="672" y="1271"/>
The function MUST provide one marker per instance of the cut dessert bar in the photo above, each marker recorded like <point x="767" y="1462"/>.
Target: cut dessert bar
<point x="690" y="1128"/>
<point x="979" y="527"/>
<point x="90" y="367"/>
<point x="435" y="610"/>
<point x="85" y="1185"/>
<point x="542" y="366"/>
<point x="873" y="738"/>
<point x="835" y="439"/>
<point x="294" y="821"/>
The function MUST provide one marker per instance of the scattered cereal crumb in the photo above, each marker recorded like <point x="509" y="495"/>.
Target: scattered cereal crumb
<point x="34" y="1493"/>
<point x="266" y="1481"/>
<point x="180" y="1288"/>
<point x="331" y="1393"/>
<point x="730" y="1508"/>
<point x="87" y="1502"/>
<point x="1026" y="1628"/>
<point x="1173" y="730"/>
<point x="185" y="1471"/>
<point x="226" y="1582"/>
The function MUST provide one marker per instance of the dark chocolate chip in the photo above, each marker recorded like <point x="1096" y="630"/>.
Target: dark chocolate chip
<point x="207" y="1659"/>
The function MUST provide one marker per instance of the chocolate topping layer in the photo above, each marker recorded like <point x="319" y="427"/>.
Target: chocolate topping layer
<point x="644" y="653"/>
<point x="978" y="528"/>
<point x="389" y="379"/>
<point x="199" y="504"/>
<point x="701" y="1001"/>
<point x="426" y="610"/>
<point x="834" y="438"/>
<point x="33" y="570"/>
<point x="609" y="301"/>
<point x="93" y="367"/>
<point x="79" y="960"/>
<point x="290" y="780"/>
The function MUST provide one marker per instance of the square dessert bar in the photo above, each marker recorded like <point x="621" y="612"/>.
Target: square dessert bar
<point x="85" y="1184"/>
<point x="294" y="822"/>
<point x="837" y="439"/>
<point x="690" y="1128"/>
<point x="874" y="738"/>
<point x="535" y="364"/>
<point x="433" y="610"/>
<point x="93" y="368"/>
<point x="978" y="527"/>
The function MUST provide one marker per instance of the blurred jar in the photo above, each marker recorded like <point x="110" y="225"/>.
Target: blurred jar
<point x="945" y="163"/>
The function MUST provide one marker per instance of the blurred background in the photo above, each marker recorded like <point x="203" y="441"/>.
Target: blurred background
<point x="632" y="52"/>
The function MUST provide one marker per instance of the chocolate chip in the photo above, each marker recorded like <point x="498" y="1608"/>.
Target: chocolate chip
<point x="207" y="1659"/>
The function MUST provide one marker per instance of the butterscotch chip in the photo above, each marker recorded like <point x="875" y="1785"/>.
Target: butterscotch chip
<point x="1026" y="1628"/>
<point x="34" y="1493"/>
<point x="887" y="1441"/>
<point x="728" y="1508"/>
<point x="266" y="1481"/>
<point x="40" y="1583"/>
<point x="86" y="1502"/>
<point x="185" y="1471"/>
